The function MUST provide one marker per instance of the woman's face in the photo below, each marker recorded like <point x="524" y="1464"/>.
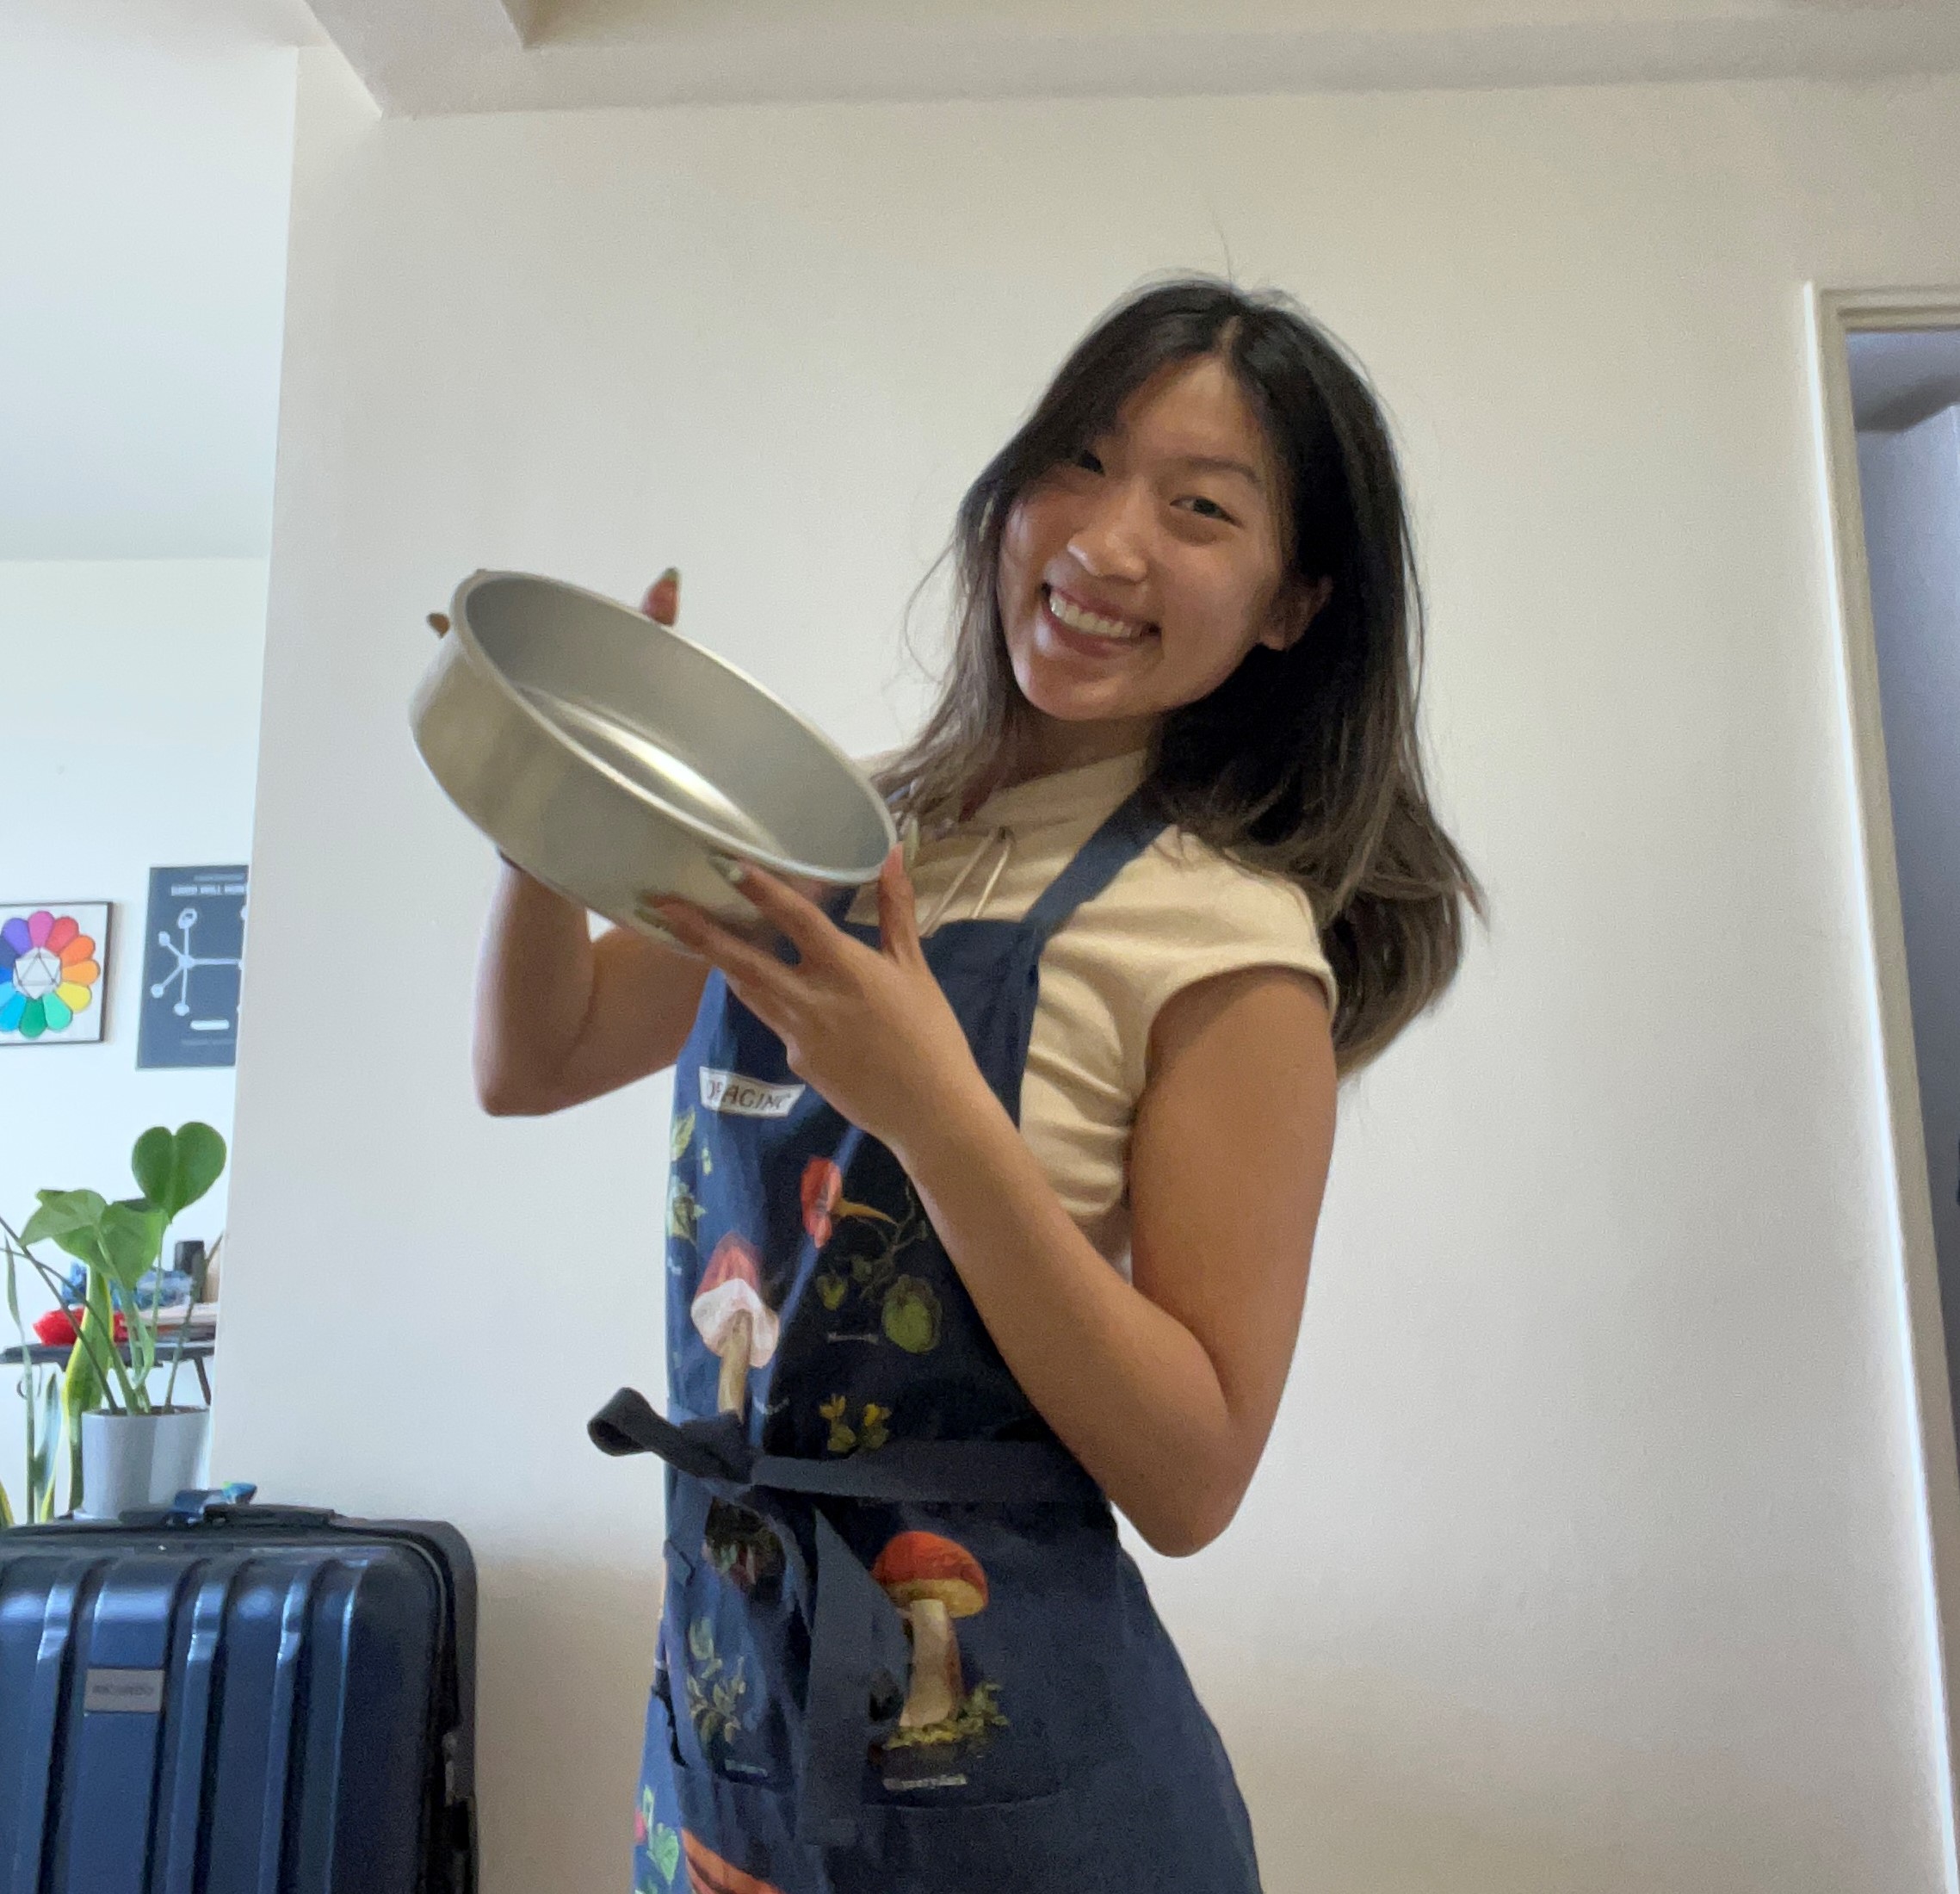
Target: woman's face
<point x="1136" y="579"/>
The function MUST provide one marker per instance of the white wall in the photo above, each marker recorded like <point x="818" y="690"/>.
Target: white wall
<point x="142" y="269"/>
<point x="1911" y="485"/>
<point x="146" y="153"/>
<point x="1586" y="1553"/>
<point x="130" y="735"/>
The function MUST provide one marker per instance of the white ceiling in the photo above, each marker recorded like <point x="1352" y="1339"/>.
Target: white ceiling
<point x="174" y="25"/>
<point x="427" y="56"/>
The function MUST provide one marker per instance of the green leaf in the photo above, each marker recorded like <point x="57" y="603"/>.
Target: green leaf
<point x="40" y="1493"/>
<point x="683" y="1212"/>
<point x="95" y="1345"/>
<point x="912" y="1316"/>
<point x="71" y="1219"/>
<point x="14" y="1293"/>
<point x="132" y="1234"/>
<point x="682" y="1132"/>
<point x="154" y="1161"/>
<point x="175" y="1170"/>
<point x="665" y="1846"/>
<point x="82" y="1386"/>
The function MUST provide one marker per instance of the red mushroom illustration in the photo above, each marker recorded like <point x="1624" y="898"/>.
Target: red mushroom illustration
<point x="710" y="1874"/>
<point x="932" y="1581"/>
<point x="733" y="1319"/>
<point x="824" y="1200"/>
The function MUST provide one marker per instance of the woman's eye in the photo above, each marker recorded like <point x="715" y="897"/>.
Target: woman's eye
<point x="1207" y="509"/>
<point x="1088" y="462"/>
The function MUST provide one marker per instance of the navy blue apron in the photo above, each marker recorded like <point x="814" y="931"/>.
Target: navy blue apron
<point x="903" y="1650"/>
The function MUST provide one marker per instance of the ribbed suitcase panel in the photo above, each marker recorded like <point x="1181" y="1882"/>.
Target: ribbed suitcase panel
<point x="233" y="1712"/>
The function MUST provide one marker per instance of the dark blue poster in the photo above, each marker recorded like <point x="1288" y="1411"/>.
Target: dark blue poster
<point x="193" y="947"/>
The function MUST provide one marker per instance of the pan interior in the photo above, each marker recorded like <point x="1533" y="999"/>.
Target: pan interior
<point x="652" y="765"/>
<point x="682" y="730"/>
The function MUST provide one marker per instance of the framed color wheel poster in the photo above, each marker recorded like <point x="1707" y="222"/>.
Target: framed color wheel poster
<point x="52" y="959"/>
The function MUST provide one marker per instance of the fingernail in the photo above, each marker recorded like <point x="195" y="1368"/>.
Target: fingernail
<point x="729" y="869"/>
<point x="663" y="598"/>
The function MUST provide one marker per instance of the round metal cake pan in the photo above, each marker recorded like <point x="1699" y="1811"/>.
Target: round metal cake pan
<point x="613" y="760"/>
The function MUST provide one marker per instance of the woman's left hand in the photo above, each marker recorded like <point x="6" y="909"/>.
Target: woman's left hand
<point x="867" y="1027"/>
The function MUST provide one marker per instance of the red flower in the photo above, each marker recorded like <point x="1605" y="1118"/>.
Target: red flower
<point x="823" y="1184"/>
<point x="824" y="1200"/>
<point x="56" y="1329"/>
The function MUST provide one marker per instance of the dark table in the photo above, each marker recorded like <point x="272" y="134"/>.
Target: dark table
<point x="44" y="1354"/>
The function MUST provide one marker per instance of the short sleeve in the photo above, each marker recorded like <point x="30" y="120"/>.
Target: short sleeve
<point x="1184" y="913"/>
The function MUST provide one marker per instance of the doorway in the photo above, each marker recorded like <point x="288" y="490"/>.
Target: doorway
<point x="1887" y="376"/>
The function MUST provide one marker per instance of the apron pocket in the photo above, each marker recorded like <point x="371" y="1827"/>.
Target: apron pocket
<point x="726" y="1662"/>
<point x="731" y="1834"/>
<point x="1038" y="1846"/>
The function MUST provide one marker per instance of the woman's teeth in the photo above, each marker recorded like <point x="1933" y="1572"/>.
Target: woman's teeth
<point x="1092" y="623"/>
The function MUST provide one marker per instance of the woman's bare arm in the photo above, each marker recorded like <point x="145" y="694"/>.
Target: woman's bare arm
<point x="1165" y="1389"/>
<point x="561" y="1017"/>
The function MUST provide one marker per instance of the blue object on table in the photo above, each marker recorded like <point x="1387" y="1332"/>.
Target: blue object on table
<point x="174" y="1284"/>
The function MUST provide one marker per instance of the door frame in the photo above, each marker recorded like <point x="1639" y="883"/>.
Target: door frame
<point x="1834" y="315"/>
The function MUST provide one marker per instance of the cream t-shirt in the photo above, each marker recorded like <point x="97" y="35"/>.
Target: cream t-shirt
<point x="1181" y="911"/>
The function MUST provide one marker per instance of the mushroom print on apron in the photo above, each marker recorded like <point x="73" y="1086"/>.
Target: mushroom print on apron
<point x="902" y="1649"/>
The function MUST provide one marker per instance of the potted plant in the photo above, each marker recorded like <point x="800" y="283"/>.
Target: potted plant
<point x="126" y="1448"/>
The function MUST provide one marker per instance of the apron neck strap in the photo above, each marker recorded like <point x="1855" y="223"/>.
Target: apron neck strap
<point x="1130" y="829"/>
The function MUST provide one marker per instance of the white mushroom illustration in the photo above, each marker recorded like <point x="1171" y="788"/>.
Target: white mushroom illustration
<point x="733" y="1319"/>
<point x="932" y="1581"/>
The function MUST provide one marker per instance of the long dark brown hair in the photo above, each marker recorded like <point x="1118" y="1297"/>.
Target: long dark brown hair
<point x="1305" y="762"/>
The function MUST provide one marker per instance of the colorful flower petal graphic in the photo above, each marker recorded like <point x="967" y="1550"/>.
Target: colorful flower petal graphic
<point x="48" y="973"/>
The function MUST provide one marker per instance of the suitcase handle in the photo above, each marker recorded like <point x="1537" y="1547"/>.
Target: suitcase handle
<point x="232" y="1506"/>
<point x="226" y="1506"/>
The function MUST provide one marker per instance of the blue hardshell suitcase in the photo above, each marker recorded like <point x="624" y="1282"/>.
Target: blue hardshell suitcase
<point x="220" y="1697"/>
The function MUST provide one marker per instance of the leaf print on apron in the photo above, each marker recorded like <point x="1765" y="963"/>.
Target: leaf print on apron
<point x="911" y="1655"/>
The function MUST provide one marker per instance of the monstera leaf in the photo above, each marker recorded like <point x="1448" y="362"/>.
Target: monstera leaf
<point x="71" y="1219"/>
<point x="174" y="1169"/>
<point x="120" y="1243"/>
<point x="129" y="1236"/>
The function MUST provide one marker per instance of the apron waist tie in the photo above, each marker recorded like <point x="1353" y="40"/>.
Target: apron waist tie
<point x="856" y="1633"/>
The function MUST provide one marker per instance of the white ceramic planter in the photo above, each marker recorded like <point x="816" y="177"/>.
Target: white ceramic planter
<point x="139" y="1459"/>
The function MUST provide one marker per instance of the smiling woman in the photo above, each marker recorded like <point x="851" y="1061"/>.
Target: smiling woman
<point x="1136" y="576"/>
<point x="1176" y="740"/>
